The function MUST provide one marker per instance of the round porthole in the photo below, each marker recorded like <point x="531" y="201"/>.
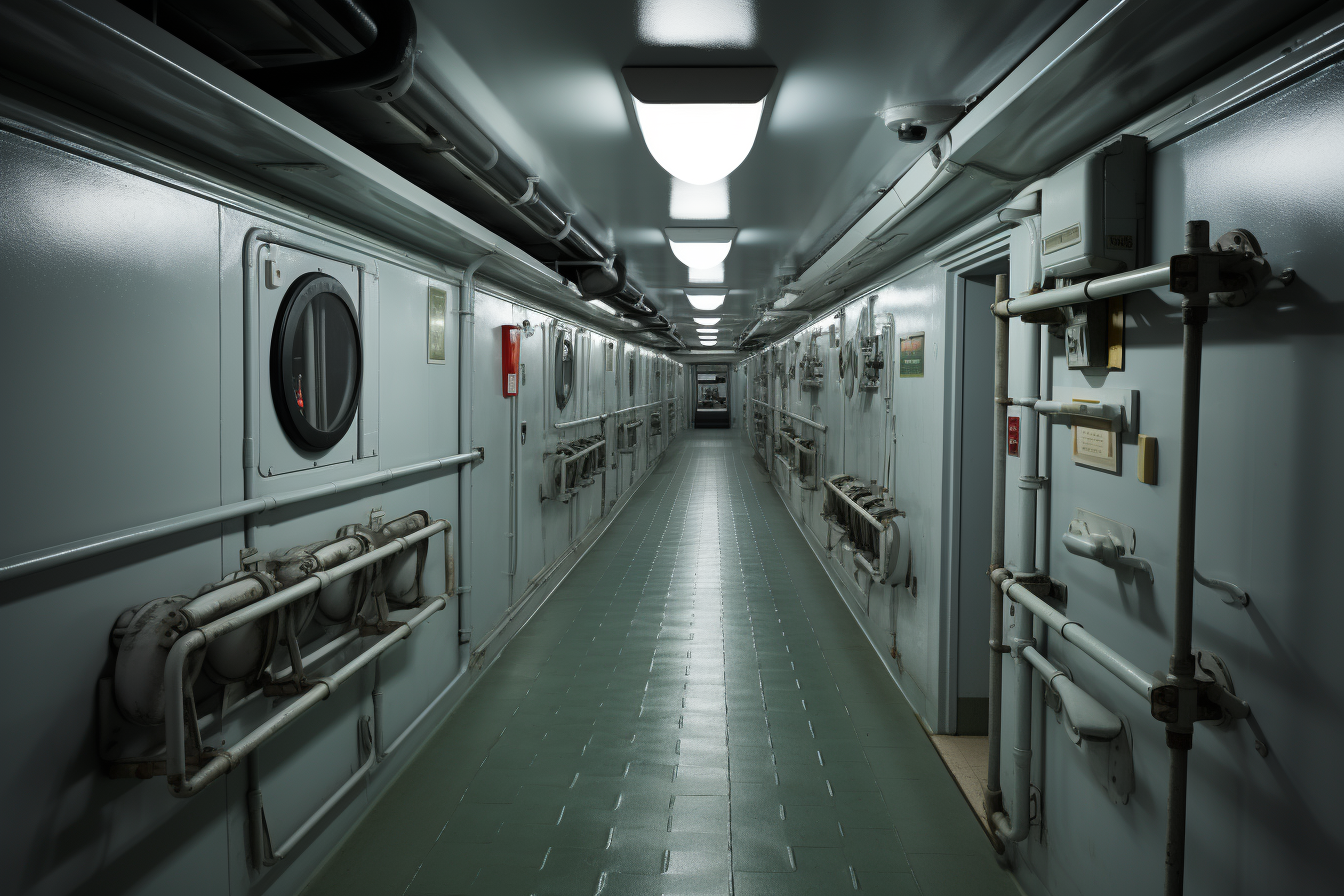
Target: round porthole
<point x="564" y="369"/>
<point x="316" y="362"/>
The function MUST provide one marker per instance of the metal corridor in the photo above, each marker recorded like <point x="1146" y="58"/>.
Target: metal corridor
<point x="693" y="711"/>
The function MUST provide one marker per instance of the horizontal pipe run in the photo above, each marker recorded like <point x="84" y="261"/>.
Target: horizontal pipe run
<point x="588" y="450"/>
<point x="22" y="564"/>
<point x="794" y="442"/>
<point x="197" y="639"/>
<point x="640" y="407"/>
<point x="1101" y="288"/>
<point x="600" y="418"/>
<point x="315" y="582"/>
<point x="801" y="419"/>
<point x="225" y="761"/>
<point x="1141" y="682"/>
<point x="857" y="509"/>
<point x="309" y="662"/>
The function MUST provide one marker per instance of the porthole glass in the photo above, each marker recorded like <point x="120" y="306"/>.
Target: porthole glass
<point x="564" y="369"/>
<point x="316" y="362"/>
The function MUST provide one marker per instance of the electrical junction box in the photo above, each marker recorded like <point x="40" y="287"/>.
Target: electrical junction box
<point x="1093" y="212"/>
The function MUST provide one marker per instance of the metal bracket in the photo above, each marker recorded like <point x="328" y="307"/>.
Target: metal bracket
<point x="528" y="196"/>
<point x="481" y="450"/>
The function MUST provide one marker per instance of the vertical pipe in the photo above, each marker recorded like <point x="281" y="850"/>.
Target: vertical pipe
<point x="378" y="708"/>
<point x="1016" y="826"/>
<point x="993" y="796"/>
<point x="466" y="333"/>
<point x="1194" y="312"/>
<point x="1028" y="480"/>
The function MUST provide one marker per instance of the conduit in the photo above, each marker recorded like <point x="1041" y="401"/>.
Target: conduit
<point x="221" y="762"/>
<point x="993" y="793"/>
<point x="23" y="564"/>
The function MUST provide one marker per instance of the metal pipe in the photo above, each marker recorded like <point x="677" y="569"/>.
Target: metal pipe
<point x="1016" y="826"/>
<point x="1110" y="413"/>
<point x="23" y="564"/>
<point x="993" y="793"/>
<point x="1029" y="480"/>
<point x="224" y="761"/>
<point x="198" y="638"/>
<point x="801" y="419"/>
<point x="466" y="354"/>
<point x="1139" y="681"/>
<point x="1120" y="284"/>
<point x="1180" y="733"/>
<point x="599" y="418"/>
<point x="260" y="836"/>
<point x="857" y="509"/>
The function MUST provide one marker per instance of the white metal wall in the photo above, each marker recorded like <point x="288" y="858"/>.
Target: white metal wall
<point x="122" y="348"/>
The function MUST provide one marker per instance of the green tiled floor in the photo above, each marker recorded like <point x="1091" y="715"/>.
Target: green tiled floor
<point x="694" y="711"/>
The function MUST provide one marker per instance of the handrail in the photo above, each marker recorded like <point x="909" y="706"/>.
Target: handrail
<point x="640" y="407"/>
<point x="1141" y="682"/>
<point x="801" y="419"/>
<point x="594" y="419"/>
<point x="224" y="761"/>
<point x="22" y="564"/>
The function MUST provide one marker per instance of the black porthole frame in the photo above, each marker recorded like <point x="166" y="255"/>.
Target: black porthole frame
<point x="564" y="368"/>
<point x="302" y="433"/>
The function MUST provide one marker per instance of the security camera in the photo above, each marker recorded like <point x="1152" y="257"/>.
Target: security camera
<point x="911" y="121"/>
<point x="909" y="132"/>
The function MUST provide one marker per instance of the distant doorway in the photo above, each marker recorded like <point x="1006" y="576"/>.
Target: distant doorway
<point x="711" y="397"/>
<point x="974" y="393"/>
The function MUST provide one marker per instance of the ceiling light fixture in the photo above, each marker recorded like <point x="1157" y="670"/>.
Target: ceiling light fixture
<point x="714" y="330"/>
<point x="706" y="321"/>
<point x="706" y="275"/>
<point x="699" y="122"/>
<point x="700" y="247"/>
<point x="698" y="202"/>
<point x="706" y="301"/>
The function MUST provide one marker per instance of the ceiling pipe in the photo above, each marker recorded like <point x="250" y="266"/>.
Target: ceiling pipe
<point x="384" y="59"/>
<point x="437" y="123"/>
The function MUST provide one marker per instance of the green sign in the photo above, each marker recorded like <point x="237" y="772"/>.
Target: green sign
<point x="912" y="355"/>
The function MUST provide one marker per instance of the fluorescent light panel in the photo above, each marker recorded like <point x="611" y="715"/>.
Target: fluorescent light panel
<point x="706" y="275"/>
<point x="705" y="24"/>
<point x="706" y="301"/>
<point x="698" y="202"/>
<point x="706" y="321"/>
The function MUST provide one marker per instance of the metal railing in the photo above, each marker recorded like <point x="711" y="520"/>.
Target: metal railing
<point x="22" y="564"/>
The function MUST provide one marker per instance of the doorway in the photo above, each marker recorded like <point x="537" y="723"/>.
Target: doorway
<point x="711" y="396"/>
<point x="974" y="472"/>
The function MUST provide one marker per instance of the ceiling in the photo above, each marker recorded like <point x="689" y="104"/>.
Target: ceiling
<point x="544" y="78"/>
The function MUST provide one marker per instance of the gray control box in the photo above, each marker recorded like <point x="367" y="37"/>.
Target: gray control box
<point x="1093" y="211"/>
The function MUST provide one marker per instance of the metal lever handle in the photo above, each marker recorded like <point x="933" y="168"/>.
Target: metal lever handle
<point x="1106" y="550"/>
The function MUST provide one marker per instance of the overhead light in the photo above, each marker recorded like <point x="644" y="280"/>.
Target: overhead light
<point x="706" y="301"/>
<point x="688" y="23"/>
<point x="699" y="122"/>
<point x="706" y="275"/>
<point x="700" y="247"/>
<point x="706" y="321"/>
<point x="714" y="330"/>
<point x="698" y="202"/>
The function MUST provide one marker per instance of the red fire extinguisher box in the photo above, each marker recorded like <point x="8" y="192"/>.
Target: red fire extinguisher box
<point x="513" y="350"/>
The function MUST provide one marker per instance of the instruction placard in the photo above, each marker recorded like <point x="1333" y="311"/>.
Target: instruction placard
<point x="1094" y="446"/>
<point x="912" y="355"/>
